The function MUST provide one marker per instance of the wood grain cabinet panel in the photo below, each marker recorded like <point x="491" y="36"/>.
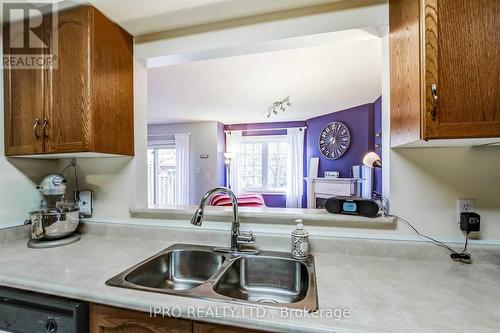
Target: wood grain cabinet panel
<point x="104" y="319"/>
<point x="405" y="90"/>
<point x="68" y="95"/>
<point x="213" y="328"/>
<point x="23" y="105"/>
<point x="445" y="69"/>
<point x="85" y="102"/>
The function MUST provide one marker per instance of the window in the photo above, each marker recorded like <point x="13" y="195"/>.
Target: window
<point x="263" y="163"/>
<point x="161" y="176"/>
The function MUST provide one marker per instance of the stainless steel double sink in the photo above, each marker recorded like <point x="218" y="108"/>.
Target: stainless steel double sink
<point x="270" y="278"/>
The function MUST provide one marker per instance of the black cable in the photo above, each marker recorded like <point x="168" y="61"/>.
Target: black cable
<point x="75" y="172"/>
<point x="463" y="256"/>
<point x="456" y="256"/>
<point x="76" y="176"/>
<point x="466" y="241"/>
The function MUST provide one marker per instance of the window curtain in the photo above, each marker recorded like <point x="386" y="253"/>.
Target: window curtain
<point x="233" y="146"/>
<point x="295" y="168"/>
<point x="182" y="169"/>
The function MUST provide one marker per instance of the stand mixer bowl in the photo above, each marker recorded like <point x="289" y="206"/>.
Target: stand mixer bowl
<point x="54" y="222"/>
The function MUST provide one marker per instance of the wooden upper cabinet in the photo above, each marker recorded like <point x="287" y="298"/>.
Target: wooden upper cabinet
<point x="85" y="102"/>
<point x="445" y="69"/>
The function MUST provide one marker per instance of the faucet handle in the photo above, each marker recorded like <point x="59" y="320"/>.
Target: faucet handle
<point x="246" y="238"/>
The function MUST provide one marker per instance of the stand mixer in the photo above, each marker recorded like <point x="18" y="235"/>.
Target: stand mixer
<point x="54" y="222"/>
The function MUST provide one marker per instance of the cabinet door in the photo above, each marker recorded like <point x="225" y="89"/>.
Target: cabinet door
<point x="404" y="41"/>
<point x="462" y="60"/>
<point x="105" y="319"/>
<point x="213" y="328"/>
<point x="112" y="83"/>
<point x="23" y="106"/>
<point x="68" y="93"/>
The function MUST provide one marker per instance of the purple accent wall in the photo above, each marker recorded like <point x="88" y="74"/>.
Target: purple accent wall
<point x="377" y="128"/>
<point x="360" y="121"/>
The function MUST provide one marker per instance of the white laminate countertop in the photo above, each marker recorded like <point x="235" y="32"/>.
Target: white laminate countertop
<point x="382" y="294"/>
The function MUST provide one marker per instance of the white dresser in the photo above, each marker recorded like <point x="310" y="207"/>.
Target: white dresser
<point x="324" y="188"/>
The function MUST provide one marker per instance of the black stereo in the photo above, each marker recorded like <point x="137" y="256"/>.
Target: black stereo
<point x="352" y="206"/>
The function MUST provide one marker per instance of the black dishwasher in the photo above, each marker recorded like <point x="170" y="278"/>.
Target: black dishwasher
<point x="27" y="312"/>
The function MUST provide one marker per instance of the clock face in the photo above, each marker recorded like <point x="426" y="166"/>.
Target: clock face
<point x="334" y="140"/>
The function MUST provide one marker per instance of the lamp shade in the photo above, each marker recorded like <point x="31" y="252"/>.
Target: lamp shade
<point x="372" y="160"/>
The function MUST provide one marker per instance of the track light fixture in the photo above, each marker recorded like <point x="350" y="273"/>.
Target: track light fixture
<point x="278" y="106"/>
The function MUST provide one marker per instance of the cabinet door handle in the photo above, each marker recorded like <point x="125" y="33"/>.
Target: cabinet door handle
<point x="44" y="127"/>
<point x="35" y="128"/>
<point x="434" y="101"/>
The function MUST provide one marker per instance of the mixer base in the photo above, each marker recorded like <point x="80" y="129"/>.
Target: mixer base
<point x="44" y="244"/>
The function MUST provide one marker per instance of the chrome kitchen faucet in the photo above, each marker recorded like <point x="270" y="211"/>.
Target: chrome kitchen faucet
<point x="237" y="238"/>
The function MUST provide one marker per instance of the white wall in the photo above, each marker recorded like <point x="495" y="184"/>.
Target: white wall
<point x="425" y="183"/>
<point x="18" y="179"/>
<point x="203" y="172"/>
<point x="386" y="119"/>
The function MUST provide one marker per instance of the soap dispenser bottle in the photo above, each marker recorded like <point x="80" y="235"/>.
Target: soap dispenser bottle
<point x="300" y="242"/>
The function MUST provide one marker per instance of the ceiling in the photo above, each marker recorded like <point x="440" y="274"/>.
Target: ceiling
<point x="147" y="16"/>
<point x="140" y="17"/>
<point x="320" y="79"/>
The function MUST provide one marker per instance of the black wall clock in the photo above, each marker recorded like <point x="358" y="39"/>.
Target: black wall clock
<point x="334" y="140"/>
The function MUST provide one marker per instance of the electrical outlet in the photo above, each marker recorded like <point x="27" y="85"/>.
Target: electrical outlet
<point x="84" y="199"/>
<point x="465" y="205"/>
